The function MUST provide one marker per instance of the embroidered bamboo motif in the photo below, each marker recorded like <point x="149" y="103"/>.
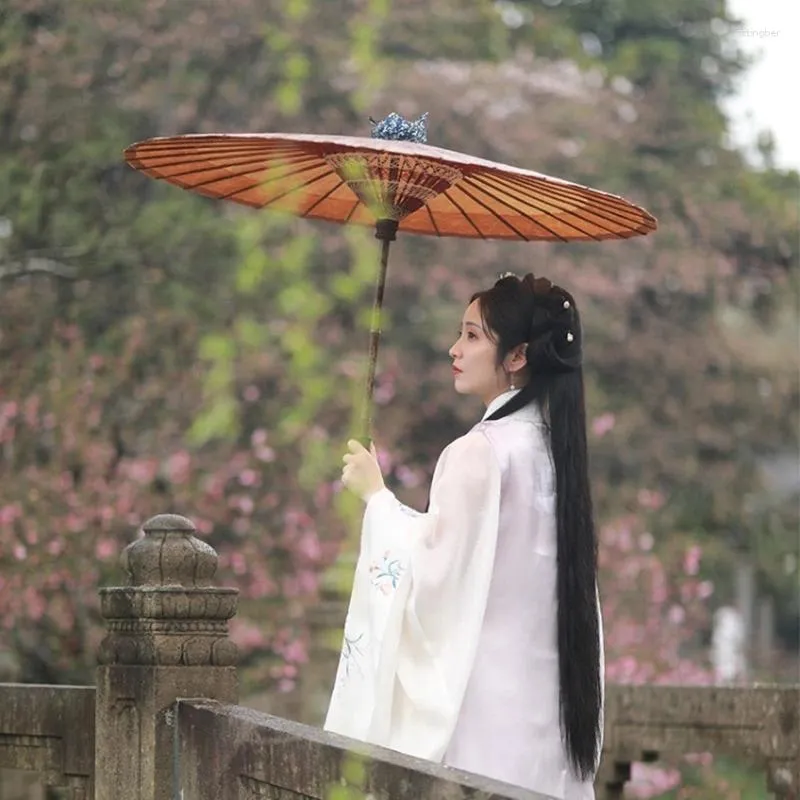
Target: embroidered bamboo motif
<point x="351" y="654"/>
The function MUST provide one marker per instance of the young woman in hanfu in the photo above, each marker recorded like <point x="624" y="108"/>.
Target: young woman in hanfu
<point x="473" y="635"/>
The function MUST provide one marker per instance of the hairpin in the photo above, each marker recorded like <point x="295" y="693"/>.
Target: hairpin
<point x="570" y="337"/>
<point x="566" y="304"/>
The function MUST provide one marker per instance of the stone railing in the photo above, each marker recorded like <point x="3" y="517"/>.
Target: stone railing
<point x="759" y="725"/>
<point x="133" y="738"/>
<point x="232" y="753"/>
<point x="49" y="730"/>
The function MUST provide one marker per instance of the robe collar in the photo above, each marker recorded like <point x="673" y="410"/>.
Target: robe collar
<point x="529" y="411"/>
<point x="499" y="401"/>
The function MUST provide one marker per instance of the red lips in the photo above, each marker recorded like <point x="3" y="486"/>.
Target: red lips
<point x="456" y="371"/>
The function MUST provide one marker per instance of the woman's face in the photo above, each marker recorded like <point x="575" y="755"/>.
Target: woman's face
<point x="475" y="369"/>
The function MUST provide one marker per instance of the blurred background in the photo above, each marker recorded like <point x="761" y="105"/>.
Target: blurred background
<point x="161" y="352"/>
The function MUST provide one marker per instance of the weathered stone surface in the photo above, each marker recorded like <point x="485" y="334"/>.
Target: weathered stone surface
<point x="234" y="753"/>
<point x="167" y="638"/>
<point x="49" y="730"/>
<point x="169" y="554"/>
<point x="760" y="724"/>
<point x="169" y="614"/>
<point x="135" y="725"/>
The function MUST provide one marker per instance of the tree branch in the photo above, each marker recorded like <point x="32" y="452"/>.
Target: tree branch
<point x="34" y="266"/>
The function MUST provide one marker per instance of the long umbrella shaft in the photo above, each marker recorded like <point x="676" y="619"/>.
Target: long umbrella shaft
<point x="365" y="424"/>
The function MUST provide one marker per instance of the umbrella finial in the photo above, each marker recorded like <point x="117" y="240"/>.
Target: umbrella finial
<point x="396" y="128"/>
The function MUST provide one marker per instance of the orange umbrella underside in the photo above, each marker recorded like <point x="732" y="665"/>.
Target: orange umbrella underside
<point x="358" y="180"/>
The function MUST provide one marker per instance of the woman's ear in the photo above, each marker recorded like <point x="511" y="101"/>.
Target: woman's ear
<point x="517" y="358"/>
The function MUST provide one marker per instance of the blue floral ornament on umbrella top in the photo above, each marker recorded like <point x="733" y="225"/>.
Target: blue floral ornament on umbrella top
<point x="396" y="128"/>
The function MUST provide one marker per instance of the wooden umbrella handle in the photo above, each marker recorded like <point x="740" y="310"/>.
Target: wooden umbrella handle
<point x="385" y="231"/>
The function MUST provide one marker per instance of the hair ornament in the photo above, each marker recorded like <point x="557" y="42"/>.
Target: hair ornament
<point x="570" y="337"/>
<point x="566" y="304"/>
<point x="506" y="275"/>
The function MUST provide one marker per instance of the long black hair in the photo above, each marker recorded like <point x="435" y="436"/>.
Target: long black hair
<point x="544" y="316"/>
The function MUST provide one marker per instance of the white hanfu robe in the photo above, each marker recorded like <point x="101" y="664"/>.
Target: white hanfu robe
<point x="450" y="646"/>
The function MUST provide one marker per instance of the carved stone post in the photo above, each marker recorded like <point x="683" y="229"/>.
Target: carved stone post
<point x="167" y="639"/>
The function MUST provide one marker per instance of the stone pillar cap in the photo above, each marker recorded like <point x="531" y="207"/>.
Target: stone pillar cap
<point x="169" y="554"/>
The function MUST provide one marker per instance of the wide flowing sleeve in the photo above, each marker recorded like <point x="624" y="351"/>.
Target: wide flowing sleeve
<point x="417" y="606"/>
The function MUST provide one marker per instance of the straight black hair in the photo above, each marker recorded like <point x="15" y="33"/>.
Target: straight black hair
<point x="544" y="317"/>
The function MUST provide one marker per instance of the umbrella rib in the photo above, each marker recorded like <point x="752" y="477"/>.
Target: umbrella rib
<point x="533" y="202"/>
<point x="263" y="182"/>
<point x="204" y="166"/>
<point x="244" y="173"/>
<point x="211" y="150"/>
<point x="280" y="196"/>
<point x="352" y="210"/>
<point x="612" y="203"/>
<point x="183" y="159"/>
<point x="321" y="199"/>
<point x="432" y="219"/>
<point x="463" y="213"/>
<point x="600" y="212"/>
<point x="496" y="215"/>
<point x="249" y="164"/>
<point x="155" y="161"/>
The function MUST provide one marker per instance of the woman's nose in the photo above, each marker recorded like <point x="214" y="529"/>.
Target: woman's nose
<point x="452" y="351"/>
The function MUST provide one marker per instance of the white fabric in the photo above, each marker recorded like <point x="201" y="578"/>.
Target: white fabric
<point x="450" y="649"/>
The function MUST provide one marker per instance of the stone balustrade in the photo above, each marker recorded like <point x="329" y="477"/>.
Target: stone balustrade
<point x="161" y="721"/>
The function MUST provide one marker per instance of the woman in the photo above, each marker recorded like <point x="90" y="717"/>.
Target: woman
<point x="473" y="635"/>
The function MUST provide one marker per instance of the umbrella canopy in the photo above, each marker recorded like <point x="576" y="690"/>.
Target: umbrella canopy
<point x="427" y="190"/>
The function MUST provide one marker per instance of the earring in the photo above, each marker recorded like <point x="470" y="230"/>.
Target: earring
<point x="511" y="386"/>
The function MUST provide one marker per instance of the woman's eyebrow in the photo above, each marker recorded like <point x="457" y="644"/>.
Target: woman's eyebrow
<point x="474" y="325"/>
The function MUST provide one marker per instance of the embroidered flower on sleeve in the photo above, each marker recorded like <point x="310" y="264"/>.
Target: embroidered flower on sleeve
<point x="386" y="573"/>
<point x="352" y="654"/>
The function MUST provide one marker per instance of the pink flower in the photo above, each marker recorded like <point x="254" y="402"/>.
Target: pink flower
<point x="603" y="424"/>
<point x="20" y="552"/>
<point x="251" y="394"/>
<point x="105" y="549"/>
<point x="677" y="614"/>
<point x="55" y="547"/>
<point x="295" y="652"/>
<point x="179" y="466"/>
<point x="238" y="563"/>
<point x="308" y="546"/>
<point x="407" y="477"/>
<point x="9" y="513"/>
<point x="265" y="454"/>
<point x="691" y="561"/>
<point x="259" y="437"/>
<point x="248" y="477"/>
<point x="384" y="460"/>
<point x="246" y="635"/>
<point x="650" y="499"/>
<point x="384" y="392"/>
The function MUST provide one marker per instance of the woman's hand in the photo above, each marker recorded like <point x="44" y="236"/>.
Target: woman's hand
<point x="361" y="473"/>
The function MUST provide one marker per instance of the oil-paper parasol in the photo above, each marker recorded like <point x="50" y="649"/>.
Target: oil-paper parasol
<point x="392" y="181"/>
